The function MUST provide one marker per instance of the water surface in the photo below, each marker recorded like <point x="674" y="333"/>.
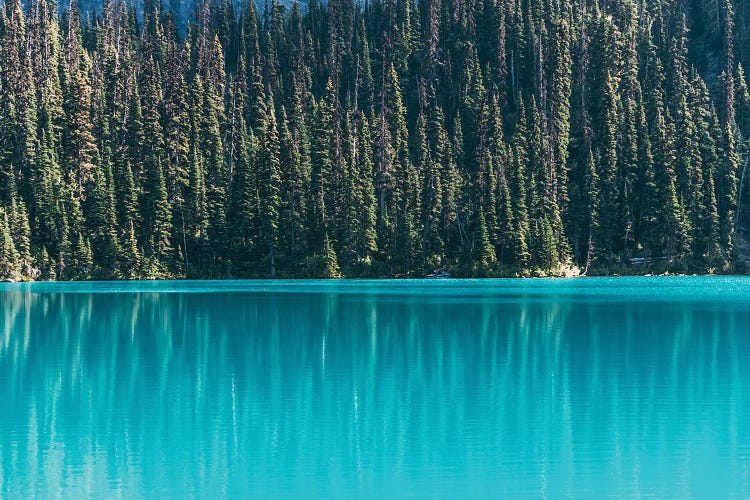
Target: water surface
<point x="306" y="389"/>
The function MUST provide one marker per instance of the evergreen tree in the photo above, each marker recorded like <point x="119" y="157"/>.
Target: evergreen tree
<point x="294" y="176"/>
<point x="269" y="182"/>
<point x="320" y="151"/>
<point x="518" y="190"/>
<point x="10" y="267"/>
<point x="21" y="233"/>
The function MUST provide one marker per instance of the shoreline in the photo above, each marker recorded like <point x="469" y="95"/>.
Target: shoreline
<point x="383" y="279"/>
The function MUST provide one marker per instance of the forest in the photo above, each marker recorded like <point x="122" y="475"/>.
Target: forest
<point x="384" y="138"/>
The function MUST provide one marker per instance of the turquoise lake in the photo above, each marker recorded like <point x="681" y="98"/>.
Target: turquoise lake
<point x="584" y="388"/>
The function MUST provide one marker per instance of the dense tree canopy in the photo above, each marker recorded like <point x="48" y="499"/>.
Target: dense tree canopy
<point x="386" y="138"/>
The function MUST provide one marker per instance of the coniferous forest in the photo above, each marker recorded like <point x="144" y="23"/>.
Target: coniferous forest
<point x="378" y="138"/>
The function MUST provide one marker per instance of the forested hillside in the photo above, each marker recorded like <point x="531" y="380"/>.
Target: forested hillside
<point x="389" y="138"/>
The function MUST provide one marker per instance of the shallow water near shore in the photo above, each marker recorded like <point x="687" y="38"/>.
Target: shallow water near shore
<point x="367" y="389"/>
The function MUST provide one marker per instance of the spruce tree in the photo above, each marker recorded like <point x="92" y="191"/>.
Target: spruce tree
<point x="10" y="267"/>
<point x="269" y="182"/>
<point x="320" y="159"/>
<point x="21" y="234"/>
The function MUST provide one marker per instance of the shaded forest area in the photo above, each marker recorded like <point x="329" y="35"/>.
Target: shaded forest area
<point x="389" y="138"/>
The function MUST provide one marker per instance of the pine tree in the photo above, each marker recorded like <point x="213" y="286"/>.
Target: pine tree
<point x="210" y="114"/>
<point x="431" y="201"/>
<point x="102" y="224"/>
<point x="518" y="190"/>
<point x="359" y="238"/>
<point x="20" y="231"/>
<point x="157" y="213"/>
<point x="591" y="213"/>
<point x="81" y="260"/>
<point x="10" y="268"/>
<point x="196" y="250"/>
<point x="242" y="194"/>
<point x="17" y="97"/>
<point x="504" y="208"/>
<point x="726" y="187"/>
<point x="484" y="252"/>
<point x="330" y="261"/>
<point x="320" y="151"/>
<point x="269" y="182"/>
<point x="176" y="126"/>
<point x="404" y="195"/>
<point x="362" y="178"/>
<point x="607" y="238"/>
<point x="294" y="176"/>
<point x="130" y="257"/>
<point x="47" y="270"/>
<point x="559" y="127"/>
<point x="155" y="206"/>
<point x="81" y="155"/>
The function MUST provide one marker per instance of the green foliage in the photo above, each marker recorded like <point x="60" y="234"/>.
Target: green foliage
<point x="10" y="267"/>
<point x="485" y="138"/>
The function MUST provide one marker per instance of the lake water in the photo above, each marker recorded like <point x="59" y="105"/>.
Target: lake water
<point x="617" y="387"/>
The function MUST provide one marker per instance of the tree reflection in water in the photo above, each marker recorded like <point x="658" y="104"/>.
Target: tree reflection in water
<point x="371" y="394"/>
